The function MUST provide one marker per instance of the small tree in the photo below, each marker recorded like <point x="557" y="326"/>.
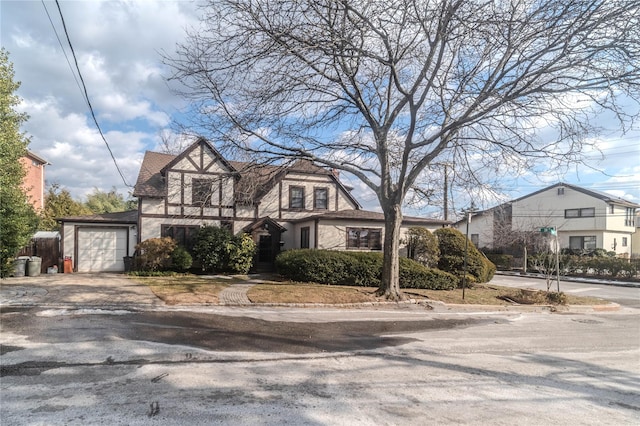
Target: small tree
<point x="58" y="202"/>
<point x="422" y="246"/>
<point x="107" y="202"/>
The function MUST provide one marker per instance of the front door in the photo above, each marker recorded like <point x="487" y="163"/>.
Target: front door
<point x="265" y="249"/>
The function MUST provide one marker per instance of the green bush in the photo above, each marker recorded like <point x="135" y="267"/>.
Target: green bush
<point x="217" y="250"/>
<point x="416" y="275"/>
<point x="452" y="255"/>
<point x="154" y="254"/>
<point x="181" y="260"/>
<point x="241" y="251"/>
<point x="422" y="246"/>
<point x="503" y="262"/>
<point x="357" y="269"/>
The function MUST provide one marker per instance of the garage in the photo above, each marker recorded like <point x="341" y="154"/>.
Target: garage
<point x="101" y="249"/>
<point x="99" y="243"/>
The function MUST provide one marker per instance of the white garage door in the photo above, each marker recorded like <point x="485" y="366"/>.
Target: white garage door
<point x="101" y="249"/>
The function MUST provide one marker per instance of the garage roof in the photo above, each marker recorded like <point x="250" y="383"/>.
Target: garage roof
<point x="130" y="216"/>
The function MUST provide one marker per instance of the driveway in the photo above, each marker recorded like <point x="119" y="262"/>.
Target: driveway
<point x="87" y="290"/>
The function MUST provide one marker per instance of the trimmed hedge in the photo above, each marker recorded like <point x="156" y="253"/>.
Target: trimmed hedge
<point x="356" y="269"/>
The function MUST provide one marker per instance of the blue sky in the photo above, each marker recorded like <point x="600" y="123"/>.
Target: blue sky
<point x="118" y="45"/>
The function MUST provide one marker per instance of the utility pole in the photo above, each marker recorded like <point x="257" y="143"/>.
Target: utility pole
<point x="446" y="192"/>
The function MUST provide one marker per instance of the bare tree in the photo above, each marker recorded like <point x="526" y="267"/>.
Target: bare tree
<point x="381" y="89"/>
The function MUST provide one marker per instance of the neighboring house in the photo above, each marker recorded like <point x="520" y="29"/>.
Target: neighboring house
<point x="299" y="206"/>
<point x="584" y="219"/>
<point x="33" y="183"/>
<point x="635" y="239"/>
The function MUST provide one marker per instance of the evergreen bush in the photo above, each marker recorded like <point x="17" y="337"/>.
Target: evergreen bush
<point x="452" y="255"/>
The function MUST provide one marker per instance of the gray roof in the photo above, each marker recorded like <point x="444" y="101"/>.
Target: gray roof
<point x="255" y="180"/>
<point x="128" y="217"/>
<point x="366" y="215"/>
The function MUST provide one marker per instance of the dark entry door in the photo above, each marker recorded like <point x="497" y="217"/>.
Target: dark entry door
<point x="265" y="249"/>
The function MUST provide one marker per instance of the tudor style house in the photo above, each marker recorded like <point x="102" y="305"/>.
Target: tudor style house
<point x="584" y="219"/>
<point x="298" y="206"/>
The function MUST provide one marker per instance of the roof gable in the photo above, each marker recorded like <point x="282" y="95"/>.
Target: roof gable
<point x="590" y="192"/>
<point x="201" y="156"/>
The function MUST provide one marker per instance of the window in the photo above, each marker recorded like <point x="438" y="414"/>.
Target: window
<point x="586" y="212"/>
<point x="320" y="198"/>
<point x="304" y="237"/>
<point x="612" y="208"/>
<point x="296" y="197"/>
<point x="201" y="191"/>
<point x="561" y="190"/>
<point x="227" y="224"/>
<point x="185" y="236"/>
<point x="364" y="238"/>
<point x="582" y="243"/>
<point x="629" y="216"/>
<point x="624" y="242"/>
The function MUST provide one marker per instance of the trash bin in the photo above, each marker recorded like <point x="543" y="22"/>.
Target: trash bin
<point x="20" y="266"/>
<point x="68" y="265"/>
<point x="34" y="265"/>
<point x="128" y="263"/>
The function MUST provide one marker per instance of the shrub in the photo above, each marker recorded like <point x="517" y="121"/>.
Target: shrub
<point x="503" y="262"/>
<point x="452" y="255"/>
<point x="356" y="268"/>
<point x="241" y="251"/>
<point x="181" y="260"/>
<point x="416" y="275"/>
<point x="422" y="246"/>
<point x="217" y="250"/>
<point x="154" y="254"/>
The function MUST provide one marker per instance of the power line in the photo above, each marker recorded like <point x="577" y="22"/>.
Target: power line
<point x="86" y="96"/>
<point x="62" y="46"/>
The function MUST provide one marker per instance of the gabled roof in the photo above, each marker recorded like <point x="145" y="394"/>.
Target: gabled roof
<point x="607" y="198"/>
<point x="265" y="222"/>
<point x="150" y="183"/>
<point x="39" y="159"/>
<point x="200" y="142"/>
<point x="369" y="216"/>
<point x="255" y="180"/>
<point x="128" y="217"/>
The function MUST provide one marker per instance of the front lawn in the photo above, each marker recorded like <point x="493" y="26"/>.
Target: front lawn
<point x="193" y="289"/>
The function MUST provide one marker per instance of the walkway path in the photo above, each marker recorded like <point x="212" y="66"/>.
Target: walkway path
<point x="235" y="294"/>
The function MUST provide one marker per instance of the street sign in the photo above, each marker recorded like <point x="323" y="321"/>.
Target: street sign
<point x="548" y="230"/>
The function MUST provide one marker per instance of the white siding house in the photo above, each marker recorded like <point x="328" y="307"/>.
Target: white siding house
<point x="584" y="219"/>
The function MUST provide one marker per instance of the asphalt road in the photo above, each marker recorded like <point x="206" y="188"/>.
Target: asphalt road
<point x="623" y="295"/>
<point x="151" y="365"/>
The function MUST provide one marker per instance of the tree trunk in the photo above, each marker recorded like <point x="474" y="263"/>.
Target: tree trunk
<point x="390" y="285"/>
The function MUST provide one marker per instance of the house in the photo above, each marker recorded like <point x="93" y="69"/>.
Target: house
<point x="33" y="183"/>
<point x="583" y="219"/>
<point x="282" y="207"/>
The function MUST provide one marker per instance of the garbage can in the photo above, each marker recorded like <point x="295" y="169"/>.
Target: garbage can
<point x="128" y="263"/>
<point x="19" y="266"/>
<point x="33" y="266"/>
<point x="68" y="265"/>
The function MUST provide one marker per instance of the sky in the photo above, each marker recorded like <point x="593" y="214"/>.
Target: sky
<point x="118" y="45"/>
